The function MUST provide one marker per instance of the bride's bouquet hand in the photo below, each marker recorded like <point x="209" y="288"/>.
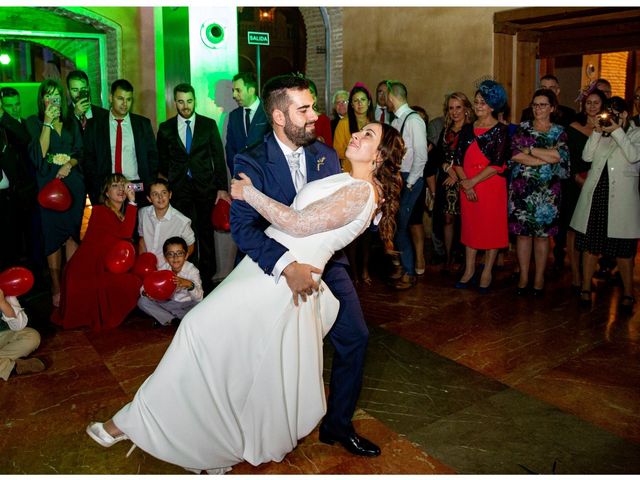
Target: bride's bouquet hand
<point x="238" y="184"/>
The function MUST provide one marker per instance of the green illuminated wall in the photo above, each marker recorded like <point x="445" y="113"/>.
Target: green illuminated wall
<point x="212" y="67"/>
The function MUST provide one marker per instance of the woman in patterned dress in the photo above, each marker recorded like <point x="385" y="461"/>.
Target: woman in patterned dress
<point x="540" y="159"/>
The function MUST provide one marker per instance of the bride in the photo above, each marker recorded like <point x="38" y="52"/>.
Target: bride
<point x="242" y="378"/>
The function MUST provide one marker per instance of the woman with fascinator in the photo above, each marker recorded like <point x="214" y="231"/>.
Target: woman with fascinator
<point x="480" y="159"/>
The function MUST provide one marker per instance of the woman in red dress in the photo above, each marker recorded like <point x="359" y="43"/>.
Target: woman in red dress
<point x="481" y="156"/>
<point x="91" y="295"/>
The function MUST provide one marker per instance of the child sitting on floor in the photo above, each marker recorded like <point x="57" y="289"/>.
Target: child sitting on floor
<point x="188" y="286"/>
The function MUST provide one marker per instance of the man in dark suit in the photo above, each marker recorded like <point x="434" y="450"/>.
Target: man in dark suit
<point x="248" y="123"/>
<point x="191" y="158"/>
<point x="80" y="109"/>
<point x="119" y="142"/>
<point x="18" y="183"/>
<point x="289" y="105"/>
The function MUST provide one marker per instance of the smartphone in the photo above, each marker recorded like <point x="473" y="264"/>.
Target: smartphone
<point x="82" y="94"/>
<point x="55" y="101"/>
<point x="137" y="187"/>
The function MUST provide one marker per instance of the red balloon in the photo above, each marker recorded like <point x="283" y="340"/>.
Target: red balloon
<point x="55" y="195"/>
<point x="145" y="264"/>
<point x="159" y="284"/>
<point x="16" y="281"/>
<point x="121" y="257"/>
<point x="220" y="217"/>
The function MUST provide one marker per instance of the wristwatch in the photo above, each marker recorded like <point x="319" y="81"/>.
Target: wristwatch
<point x="45" y="124"/>
<point x="193" y="285"/>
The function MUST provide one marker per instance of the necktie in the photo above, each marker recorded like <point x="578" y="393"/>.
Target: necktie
<point x="118" y="165"/>
<point x="294" y="166"/>
<point x="83" y="121"/>
<point x="189" y="136"/>
<point x="247" y="120"/>
<point x="382" y="116"/>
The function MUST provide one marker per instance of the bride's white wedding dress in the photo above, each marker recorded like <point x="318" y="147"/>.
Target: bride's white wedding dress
<point x="242" y="378"/>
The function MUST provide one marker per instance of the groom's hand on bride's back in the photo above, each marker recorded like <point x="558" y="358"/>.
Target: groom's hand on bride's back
<point x="300" y="281"/>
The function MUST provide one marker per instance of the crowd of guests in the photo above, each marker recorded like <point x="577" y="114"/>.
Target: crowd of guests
<point x="558" y="174"/>
<point x="486" y="182"/>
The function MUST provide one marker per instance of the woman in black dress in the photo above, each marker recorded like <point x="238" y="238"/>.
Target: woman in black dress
<point x="55" y="150"/>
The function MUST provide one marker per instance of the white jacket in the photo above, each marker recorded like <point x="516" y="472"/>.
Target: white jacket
<point x="621" y="153"/>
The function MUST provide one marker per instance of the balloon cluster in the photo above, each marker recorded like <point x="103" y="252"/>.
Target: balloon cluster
<point x="158" y="284"/>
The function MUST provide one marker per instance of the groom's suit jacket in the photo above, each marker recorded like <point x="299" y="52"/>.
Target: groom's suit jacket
<point x="269" y="171"/>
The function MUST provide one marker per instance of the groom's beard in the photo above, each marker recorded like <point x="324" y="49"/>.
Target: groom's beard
<point x="299" y="136"/>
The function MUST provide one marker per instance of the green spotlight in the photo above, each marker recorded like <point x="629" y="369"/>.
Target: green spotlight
<point x="5" y="59"/>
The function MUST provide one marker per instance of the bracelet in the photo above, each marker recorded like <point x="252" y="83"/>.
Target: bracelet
<point x="45" y="124"/>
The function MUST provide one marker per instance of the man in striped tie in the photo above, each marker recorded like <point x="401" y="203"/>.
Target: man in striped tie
<point x="191" y="158"/>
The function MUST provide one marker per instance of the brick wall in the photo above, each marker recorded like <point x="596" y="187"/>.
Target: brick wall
<point x="316" y="54"/>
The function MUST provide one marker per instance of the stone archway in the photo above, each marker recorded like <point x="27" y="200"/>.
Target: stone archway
<point x="112" y="31"/>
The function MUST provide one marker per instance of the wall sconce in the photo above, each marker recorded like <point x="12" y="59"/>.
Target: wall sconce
<point x="266" y="14"/>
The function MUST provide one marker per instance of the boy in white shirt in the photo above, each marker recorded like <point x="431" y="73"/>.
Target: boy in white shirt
<point x="160" y="221"/>
<point x="188" y="286"/>
<point x="16" y="340"/>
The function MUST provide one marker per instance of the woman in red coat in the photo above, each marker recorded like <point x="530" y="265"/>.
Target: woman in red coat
<point x="91" y="295"/>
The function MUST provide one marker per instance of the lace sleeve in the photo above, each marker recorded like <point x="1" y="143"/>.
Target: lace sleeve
<point x="325" y="214"/>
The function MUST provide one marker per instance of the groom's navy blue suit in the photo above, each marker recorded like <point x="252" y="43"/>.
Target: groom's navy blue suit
<point x="267" y="167"/>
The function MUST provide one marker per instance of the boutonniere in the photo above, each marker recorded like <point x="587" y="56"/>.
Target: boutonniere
<point x="319" y="163"/>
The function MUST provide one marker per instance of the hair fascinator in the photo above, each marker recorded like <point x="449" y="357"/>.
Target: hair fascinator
<point x="494" y="94"/>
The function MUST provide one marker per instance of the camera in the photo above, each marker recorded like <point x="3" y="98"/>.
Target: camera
<point x="137" y="187"/>
<point x="55" y="101"/>
<point x="606" y="118"/>
<point x="82" y="94"/>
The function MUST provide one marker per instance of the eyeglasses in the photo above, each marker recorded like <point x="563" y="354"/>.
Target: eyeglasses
<point x="342" y="102"/>
<point x="175" y="254"/>
<point x="539" y="105"/>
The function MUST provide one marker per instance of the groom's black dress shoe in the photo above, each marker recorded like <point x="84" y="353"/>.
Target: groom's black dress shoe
<point x="353" y="442"/>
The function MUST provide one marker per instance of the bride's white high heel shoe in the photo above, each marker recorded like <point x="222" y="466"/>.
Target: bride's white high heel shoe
<point x="97" y="432"/>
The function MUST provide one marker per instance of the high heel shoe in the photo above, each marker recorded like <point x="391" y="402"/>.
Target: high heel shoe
<point x="97" y="432"/>
<point x="522" y="291"/>
<point x="464" y="285"/>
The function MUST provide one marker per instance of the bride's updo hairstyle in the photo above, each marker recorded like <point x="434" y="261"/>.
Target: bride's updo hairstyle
<point x="388" y="177"/>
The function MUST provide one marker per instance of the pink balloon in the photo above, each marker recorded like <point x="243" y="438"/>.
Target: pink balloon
<point x="159" y="285"/>
<point x="120" y="257"/>
<point x="16" y="281"/>
<point x="145" y="264"/>
<point x="55" y="195"/>
<point x="220" y="217"/>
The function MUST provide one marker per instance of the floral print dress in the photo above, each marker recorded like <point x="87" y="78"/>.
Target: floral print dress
<point x="534" y="193"/>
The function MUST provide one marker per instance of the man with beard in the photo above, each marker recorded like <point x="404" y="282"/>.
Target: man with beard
<point x="191" y="158"/>
<point x="280" y="166"/>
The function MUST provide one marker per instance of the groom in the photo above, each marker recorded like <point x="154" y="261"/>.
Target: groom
<point x="288" y="158"/>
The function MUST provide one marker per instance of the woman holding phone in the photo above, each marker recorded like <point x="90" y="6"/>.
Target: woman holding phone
<point x="55" y="150"/>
